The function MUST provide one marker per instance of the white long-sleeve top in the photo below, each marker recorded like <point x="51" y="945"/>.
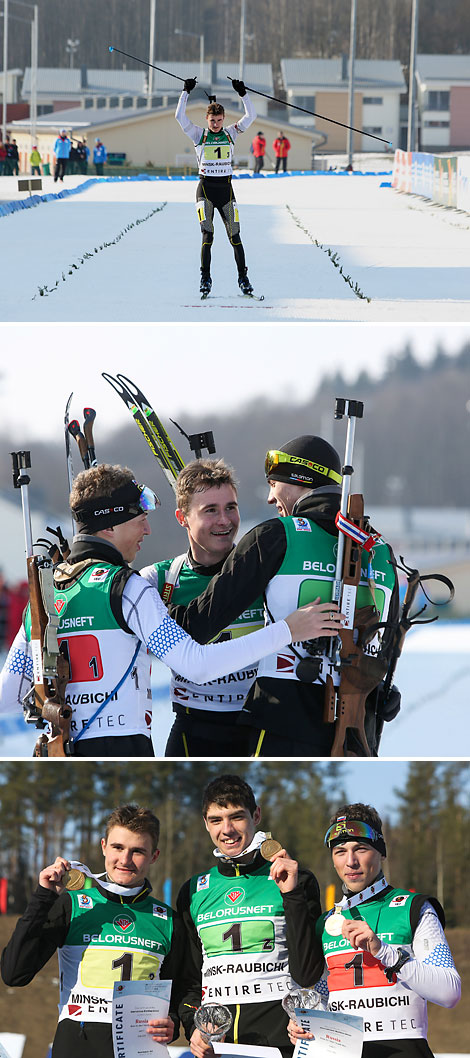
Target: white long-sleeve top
<point x="196" y="133"/>
<point x="147" y="617"/>
<point x="431" y="971"/>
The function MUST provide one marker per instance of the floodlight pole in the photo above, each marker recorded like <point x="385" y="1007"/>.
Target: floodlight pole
<point x="151" y="52"/>
<point x="5" y="68"/>
<point x="352" y="58"/>
<point x="412" y="130"/>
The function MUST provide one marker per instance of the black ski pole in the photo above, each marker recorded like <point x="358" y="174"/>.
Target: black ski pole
<point x="74" y="429"/>
<point x="144" y="61"/>
<point x="314" y="114"/>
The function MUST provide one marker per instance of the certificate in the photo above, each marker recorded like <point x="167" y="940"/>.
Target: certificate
<point x="134" y="1004"/>
<point x="335" y="1035"/>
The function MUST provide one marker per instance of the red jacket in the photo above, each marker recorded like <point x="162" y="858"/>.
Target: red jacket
<point x="281" y="147"/>
<point x="259" y="146"/>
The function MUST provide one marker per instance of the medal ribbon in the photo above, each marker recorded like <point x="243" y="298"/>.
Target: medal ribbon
<point x="348" y="902"/>
<point x="111" y="887"/>
<point x="258" y="839"/>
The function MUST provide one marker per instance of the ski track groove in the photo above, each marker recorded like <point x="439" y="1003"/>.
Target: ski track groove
<point x="410" y="257"/>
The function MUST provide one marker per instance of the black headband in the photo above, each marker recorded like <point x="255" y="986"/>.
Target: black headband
<point x="113" y="508"/>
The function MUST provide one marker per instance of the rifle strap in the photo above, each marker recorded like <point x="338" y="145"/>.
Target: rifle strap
<point x="67" y="572"/>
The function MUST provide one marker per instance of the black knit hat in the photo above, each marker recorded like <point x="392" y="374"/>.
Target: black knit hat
<point x="313" y="462"/>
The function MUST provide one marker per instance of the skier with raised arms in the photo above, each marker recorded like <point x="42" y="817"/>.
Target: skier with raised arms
<point x="214" y="148"/>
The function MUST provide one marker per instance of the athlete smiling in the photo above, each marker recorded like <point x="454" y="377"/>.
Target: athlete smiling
<point x="107" y="929"/>
<point x="245" y="904"/>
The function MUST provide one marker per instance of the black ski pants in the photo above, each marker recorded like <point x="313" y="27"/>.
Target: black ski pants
<point x="216" y="193"/>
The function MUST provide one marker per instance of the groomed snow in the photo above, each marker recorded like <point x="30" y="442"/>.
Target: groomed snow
<point x="410" y="257"/>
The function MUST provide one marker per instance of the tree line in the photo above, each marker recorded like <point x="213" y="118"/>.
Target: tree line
<point x="47" y="811"/>
<point x="275" y="29"/>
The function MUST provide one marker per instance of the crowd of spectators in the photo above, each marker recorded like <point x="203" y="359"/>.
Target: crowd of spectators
<point x="9" y="157"/>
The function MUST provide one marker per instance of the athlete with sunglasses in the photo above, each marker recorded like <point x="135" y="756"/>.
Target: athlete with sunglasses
<point x="292" y="557"/>
<point x="385" y="950"/>
<point x="110" y="621"/>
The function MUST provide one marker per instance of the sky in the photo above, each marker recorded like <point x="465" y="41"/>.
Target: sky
<point x="183" y="368"/>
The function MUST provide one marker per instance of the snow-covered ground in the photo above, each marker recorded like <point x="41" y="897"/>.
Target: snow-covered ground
<point x="433" y="675"/>
<point x="409" y="257"/>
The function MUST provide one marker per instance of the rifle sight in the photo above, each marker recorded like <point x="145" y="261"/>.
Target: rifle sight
<point x="352" y="408"/>
<point x="20" y="461"/>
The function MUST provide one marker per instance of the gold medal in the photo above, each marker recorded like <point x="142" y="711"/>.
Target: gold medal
<point x="74" y="879"/>
<point x="334" y="923"/>
<point x="269" y="846"/>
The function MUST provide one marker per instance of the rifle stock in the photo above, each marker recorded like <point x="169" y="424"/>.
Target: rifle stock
<point x="50" y="666"/>
<point x="46" y="700"/>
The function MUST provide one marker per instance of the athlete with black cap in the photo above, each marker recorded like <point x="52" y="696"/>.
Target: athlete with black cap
<point x="385" y="949"/>
<point x="290" y="558"/>
<point x="111" y="620"/>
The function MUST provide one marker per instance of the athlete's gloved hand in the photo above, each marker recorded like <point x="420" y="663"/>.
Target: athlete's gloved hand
<point x="189" y="84"/>
<point x="239" y="87"/>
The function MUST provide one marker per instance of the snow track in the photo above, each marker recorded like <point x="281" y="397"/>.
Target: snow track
<point x="310" y="241"/>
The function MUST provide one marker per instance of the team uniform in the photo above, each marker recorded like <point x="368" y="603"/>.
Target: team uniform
<point x="393" y="1007"/>
<point x="215" y="190"/>
<point x="205" y="722"/>
<point x="111" y="620"/>
<point x="292" y="561"/>
<point x="238" y="928"/>
<point x="102" y="936"/>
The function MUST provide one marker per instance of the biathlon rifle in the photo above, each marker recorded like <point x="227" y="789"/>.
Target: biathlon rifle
<point x="46" y="700"/>
<point x="361" y="672"/>
<point x="345" y="705"/>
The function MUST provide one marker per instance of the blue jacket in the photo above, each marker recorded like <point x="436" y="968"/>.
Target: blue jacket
<point x="99" y="153"/>
<point x="62" y="147"/>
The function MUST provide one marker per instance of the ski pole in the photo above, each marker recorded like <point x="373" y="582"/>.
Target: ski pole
<point x="313" y="113"/>
<point x="255" y="91"/>
<point x="145" y="63"/>
<point x="89" y="418"/>
<point x="74" y="429"/>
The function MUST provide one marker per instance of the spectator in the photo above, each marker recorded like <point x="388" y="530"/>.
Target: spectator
<point x="99" y="156"/>
<point x="35" y="161"/>
<point x="3" y="156"/>
<point x="62" y="154"/>
<point x="15" y="158"/>
<point x="281" y="148"/>
<point x="18" y="601"/>
<point x="73" y="159"/>
<point x="82" y="157"/>
<point x="4" y="609"/>
<point x="258" y="148"/>
<point x="8" y="165"/>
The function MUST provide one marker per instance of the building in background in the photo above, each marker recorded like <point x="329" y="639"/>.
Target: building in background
<point x="322" y="85"/>
<point x="443" y="83"/>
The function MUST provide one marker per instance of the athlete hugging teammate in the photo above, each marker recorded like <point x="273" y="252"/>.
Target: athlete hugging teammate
<point x="214" y="148"/>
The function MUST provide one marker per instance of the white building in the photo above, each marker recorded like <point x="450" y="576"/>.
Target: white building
<point x="443" y="83"/>
<point x="322" y="85"/>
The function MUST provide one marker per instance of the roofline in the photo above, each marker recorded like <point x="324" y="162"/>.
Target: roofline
<point x="143" y="114"/>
